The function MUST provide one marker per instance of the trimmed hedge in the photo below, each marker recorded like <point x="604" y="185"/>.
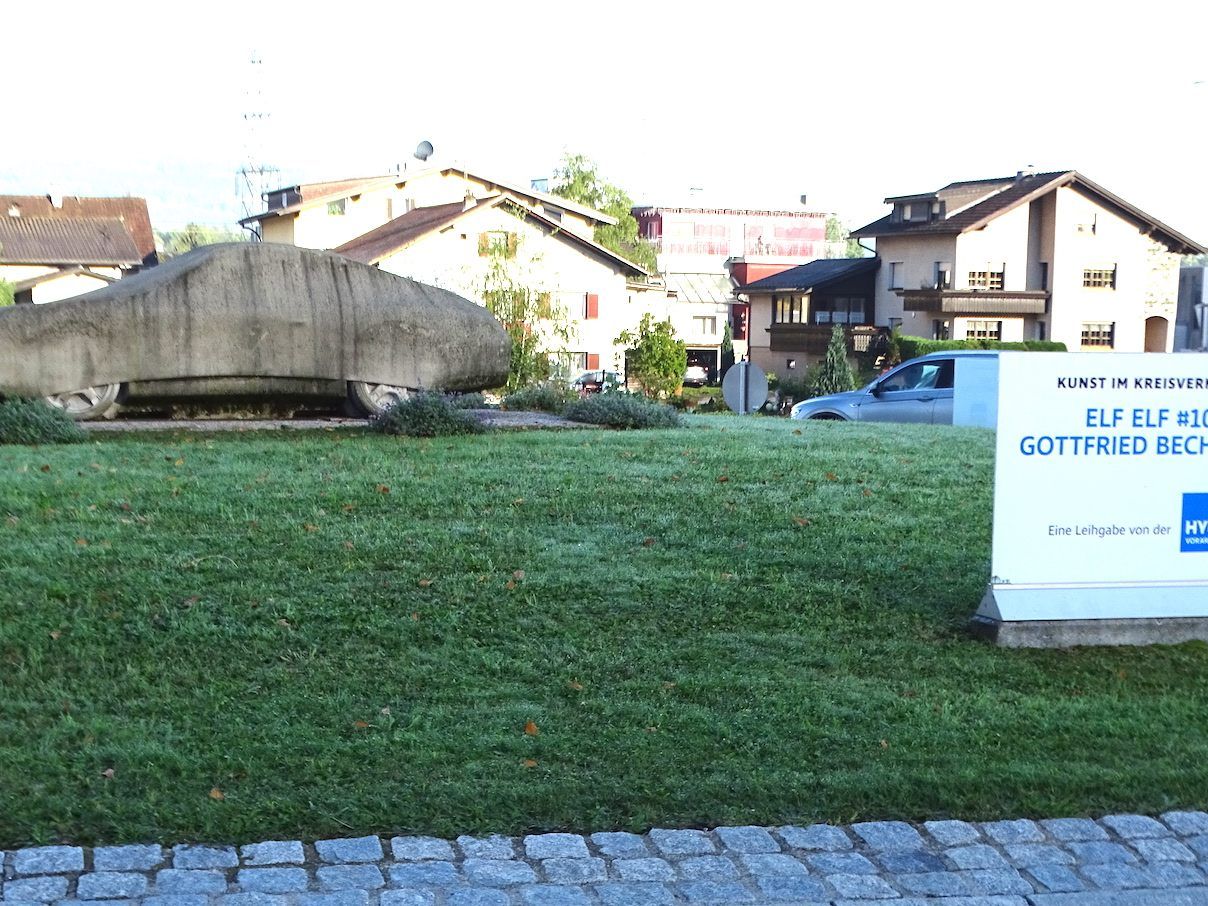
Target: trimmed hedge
<point x="426" y="415"/>
<point x="26" y="421"/>
<point x="913" y="347"/>
<point x="622" y="410"/>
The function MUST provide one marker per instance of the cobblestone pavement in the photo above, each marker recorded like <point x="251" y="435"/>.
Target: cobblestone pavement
<point x="1119" y="860"/>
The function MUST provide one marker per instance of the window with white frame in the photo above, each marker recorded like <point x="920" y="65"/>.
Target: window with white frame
<point x="895" y="275"/>
<point x="704" y="325"/>
<point x="1099" y="277"/>
<point x="788" y="310"/>
<point x="983" y="330"/>
<point x="987" y="279"/>
<point x="1098" y="334"/>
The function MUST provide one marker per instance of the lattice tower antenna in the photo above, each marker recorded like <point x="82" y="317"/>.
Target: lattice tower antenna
<point x="255" y="176"/>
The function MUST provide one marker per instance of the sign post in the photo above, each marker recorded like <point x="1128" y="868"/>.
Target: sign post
<point x="1100" y="500"/>
<point x="745" y="387"/>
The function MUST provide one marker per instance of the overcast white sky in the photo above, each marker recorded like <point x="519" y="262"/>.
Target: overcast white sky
<point x="756" y="103"/>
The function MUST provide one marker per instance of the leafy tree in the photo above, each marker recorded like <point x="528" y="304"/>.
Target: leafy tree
<point x="837" y="232"/>
<point x="6" y="293"/>
<point x="727" y="349"/>
<point x="578" y="179"/>
<point x="193" y="236"/>
<point x="655" y="358"/>
<point x="835" y="375"/>
<point x="531" y="318"/>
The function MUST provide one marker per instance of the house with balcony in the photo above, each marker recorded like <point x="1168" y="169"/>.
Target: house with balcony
<point x="704" y="253"/>
<point x="1036" y="256"/>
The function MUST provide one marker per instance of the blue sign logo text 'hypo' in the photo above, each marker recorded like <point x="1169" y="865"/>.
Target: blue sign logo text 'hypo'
<point x="1195" y="523"/>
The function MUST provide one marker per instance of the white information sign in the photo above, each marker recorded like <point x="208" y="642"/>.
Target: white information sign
<point x="1101" y="487"/>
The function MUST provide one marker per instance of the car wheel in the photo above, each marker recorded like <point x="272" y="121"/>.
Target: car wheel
<point x="374" y="399"/>
<point x="87" y="403"/>
<point x="827" y="417"/>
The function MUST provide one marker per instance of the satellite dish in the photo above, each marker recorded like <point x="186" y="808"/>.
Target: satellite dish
<point x="423" y="150"/>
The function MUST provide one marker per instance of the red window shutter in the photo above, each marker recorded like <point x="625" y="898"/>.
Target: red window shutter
<point x="593" y="361"/>
<point x="592" y="309"/>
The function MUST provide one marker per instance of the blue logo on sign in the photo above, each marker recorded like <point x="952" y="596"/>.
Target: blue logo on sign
<point x="1195" y="523"/>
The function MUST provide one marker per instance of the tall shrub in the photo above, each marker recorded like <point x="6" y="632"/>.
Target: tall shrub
<point x="655" y="358"/>
<point x="835" y="375"/>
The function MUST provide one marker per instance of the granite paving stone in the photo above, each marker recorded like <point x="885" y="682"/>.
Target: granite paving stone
<point x="643" y="869"/>
<point x="1025" y="855"/>
<point x="411" y="898"/>
<point x="998" y="881"/>
<point x="555" y="846"/>
<point x="1057" y="878"/>
<point x="911" y="863"/>
<point x="865" y="887"/>
<point x="498" y="872"/>
<point x="1115" y="876"/>
<point x="621" y="894"/>
<point x="349" y="877"/>
<point x="252" y="899"/>
<point x="418" y="849"/>
<point x="273" y="852"/>
<point x="1070" y="829"/>
<point x="621" y="845"/>
<point x="977" y="856"/>
<point x="575" y="871"/>
<point x="772" y="865"/>
<point x="824" y="837"/>
<point x="553" y="895"/>
<point x="424" y="874"/>
<point x="1163" y="851"/>
<point x="1018" y="831"/>
<point x="190" y="881"/>
<point x="181" y="899"/>
<point x="714" y="892"/>
<point x="936" y="884"/>
<point x="495" y="846"/>
<point x="841" y="863"/>
<point x="707" y="868"/>
<point x="133" y="857"/>
<point x="45" y="889"/>
<point x="1136" y="827"/>
<point x="470" y="897"/>
<point x="272" y="880"/>
<point x="682" y="842"/>
<point x="353" y="849"/>
<point x="952" y="833"/>
<point x="190" y="855"/>
<point x="79" y="902"/>
<point x="48" y="860"/>
<point x="794" y="890"/>
<point x="1098" y="852"/>
<point x="1187" y="823"/>
<point x="1124" y="898"/>
<point x="747" y="839"/>
<point x="110" y="885"/>
<point x="1199" y="844"/>
<point x="335" y="898"/>
<point x="1172" y="874"/>
<point x="888" y="836"/>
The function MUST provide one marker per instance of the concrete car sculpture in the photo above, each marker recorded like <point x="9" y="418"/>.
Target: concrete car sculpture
<point x="247" y="321"/>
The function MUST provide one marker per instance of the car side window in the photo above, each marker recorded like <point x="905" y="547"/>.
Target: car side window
<point x="920" y="376"/>
<point x="947" y="372"/>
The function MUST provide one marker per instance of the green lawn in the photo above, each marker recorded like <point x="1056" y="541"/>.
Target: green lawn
<point x="283" y="634"/>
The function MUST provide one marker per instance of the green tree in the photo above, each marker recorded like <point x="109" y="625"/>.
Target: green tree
<point x="532" y="319"/>
<point x="6" y="293"/>
<point x="835" y="375"/>
<point x="654" y="357"/>
<point x="837" y="232"/>
<point x="578" y="179"/>
<point x="193" y="236"/>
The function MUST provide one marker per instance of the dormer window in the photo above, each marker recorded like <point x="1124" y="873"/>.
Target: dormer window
<point x="906" y="211"/>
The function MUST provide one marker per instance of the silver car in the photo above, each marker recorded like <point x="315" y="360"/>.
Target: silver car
<point x="919" y="390"/>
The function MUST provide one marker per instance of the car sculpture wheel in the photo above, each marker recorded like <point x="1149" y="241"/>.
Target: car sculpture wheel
<point x="87" y="402"/>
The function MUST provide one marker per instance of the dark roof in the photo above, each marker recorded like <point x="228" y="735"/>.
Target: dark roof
<point x="392" y="235"/>
<point x="132" y="211"/>
<point x="1006" y="193"/>
<point x="66" y="240"/>
<point x="814" y="275"/>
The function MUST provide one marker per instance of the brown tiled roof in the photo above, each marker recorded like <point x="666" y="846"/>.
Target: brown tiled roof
<point x="133" y="211"/>
<point x="377" y="243"/>
<point x="66" y="240"/>
<point x="1007" y="193"/>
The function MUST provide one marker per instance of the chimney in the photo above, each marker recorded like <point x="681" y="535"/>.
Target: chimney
<point x="14" y="210"/>
<point x="1029" y="170"/>
<point x="469" y="201"/>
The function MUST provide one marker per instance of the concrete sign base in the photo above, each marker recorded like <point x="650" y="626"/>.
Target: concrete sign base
<point x="1071" y="633"/>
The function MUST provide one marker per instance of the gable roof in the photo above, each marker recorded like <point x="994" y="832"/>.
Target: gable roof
<point x="977" y="202"/>
<point x="372" y="247"/>
<point x="130" y="210"/>
<point x="67" y="240"/>
<point x="813" y="275"/>
<point x="307" y="195"/>
<point x="73" y="271"/>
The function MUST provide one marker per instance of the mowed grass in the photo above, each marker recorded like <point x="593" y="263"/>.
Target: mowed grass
<point x="277" y="635"/>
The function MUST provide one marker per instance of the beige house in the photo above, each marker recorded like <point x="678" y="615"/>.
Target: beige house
<point x="469" y="245"/>
<point x="1046" y="256"/>
<point x="440" y="225"/>
<point x="53" y="247"/>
